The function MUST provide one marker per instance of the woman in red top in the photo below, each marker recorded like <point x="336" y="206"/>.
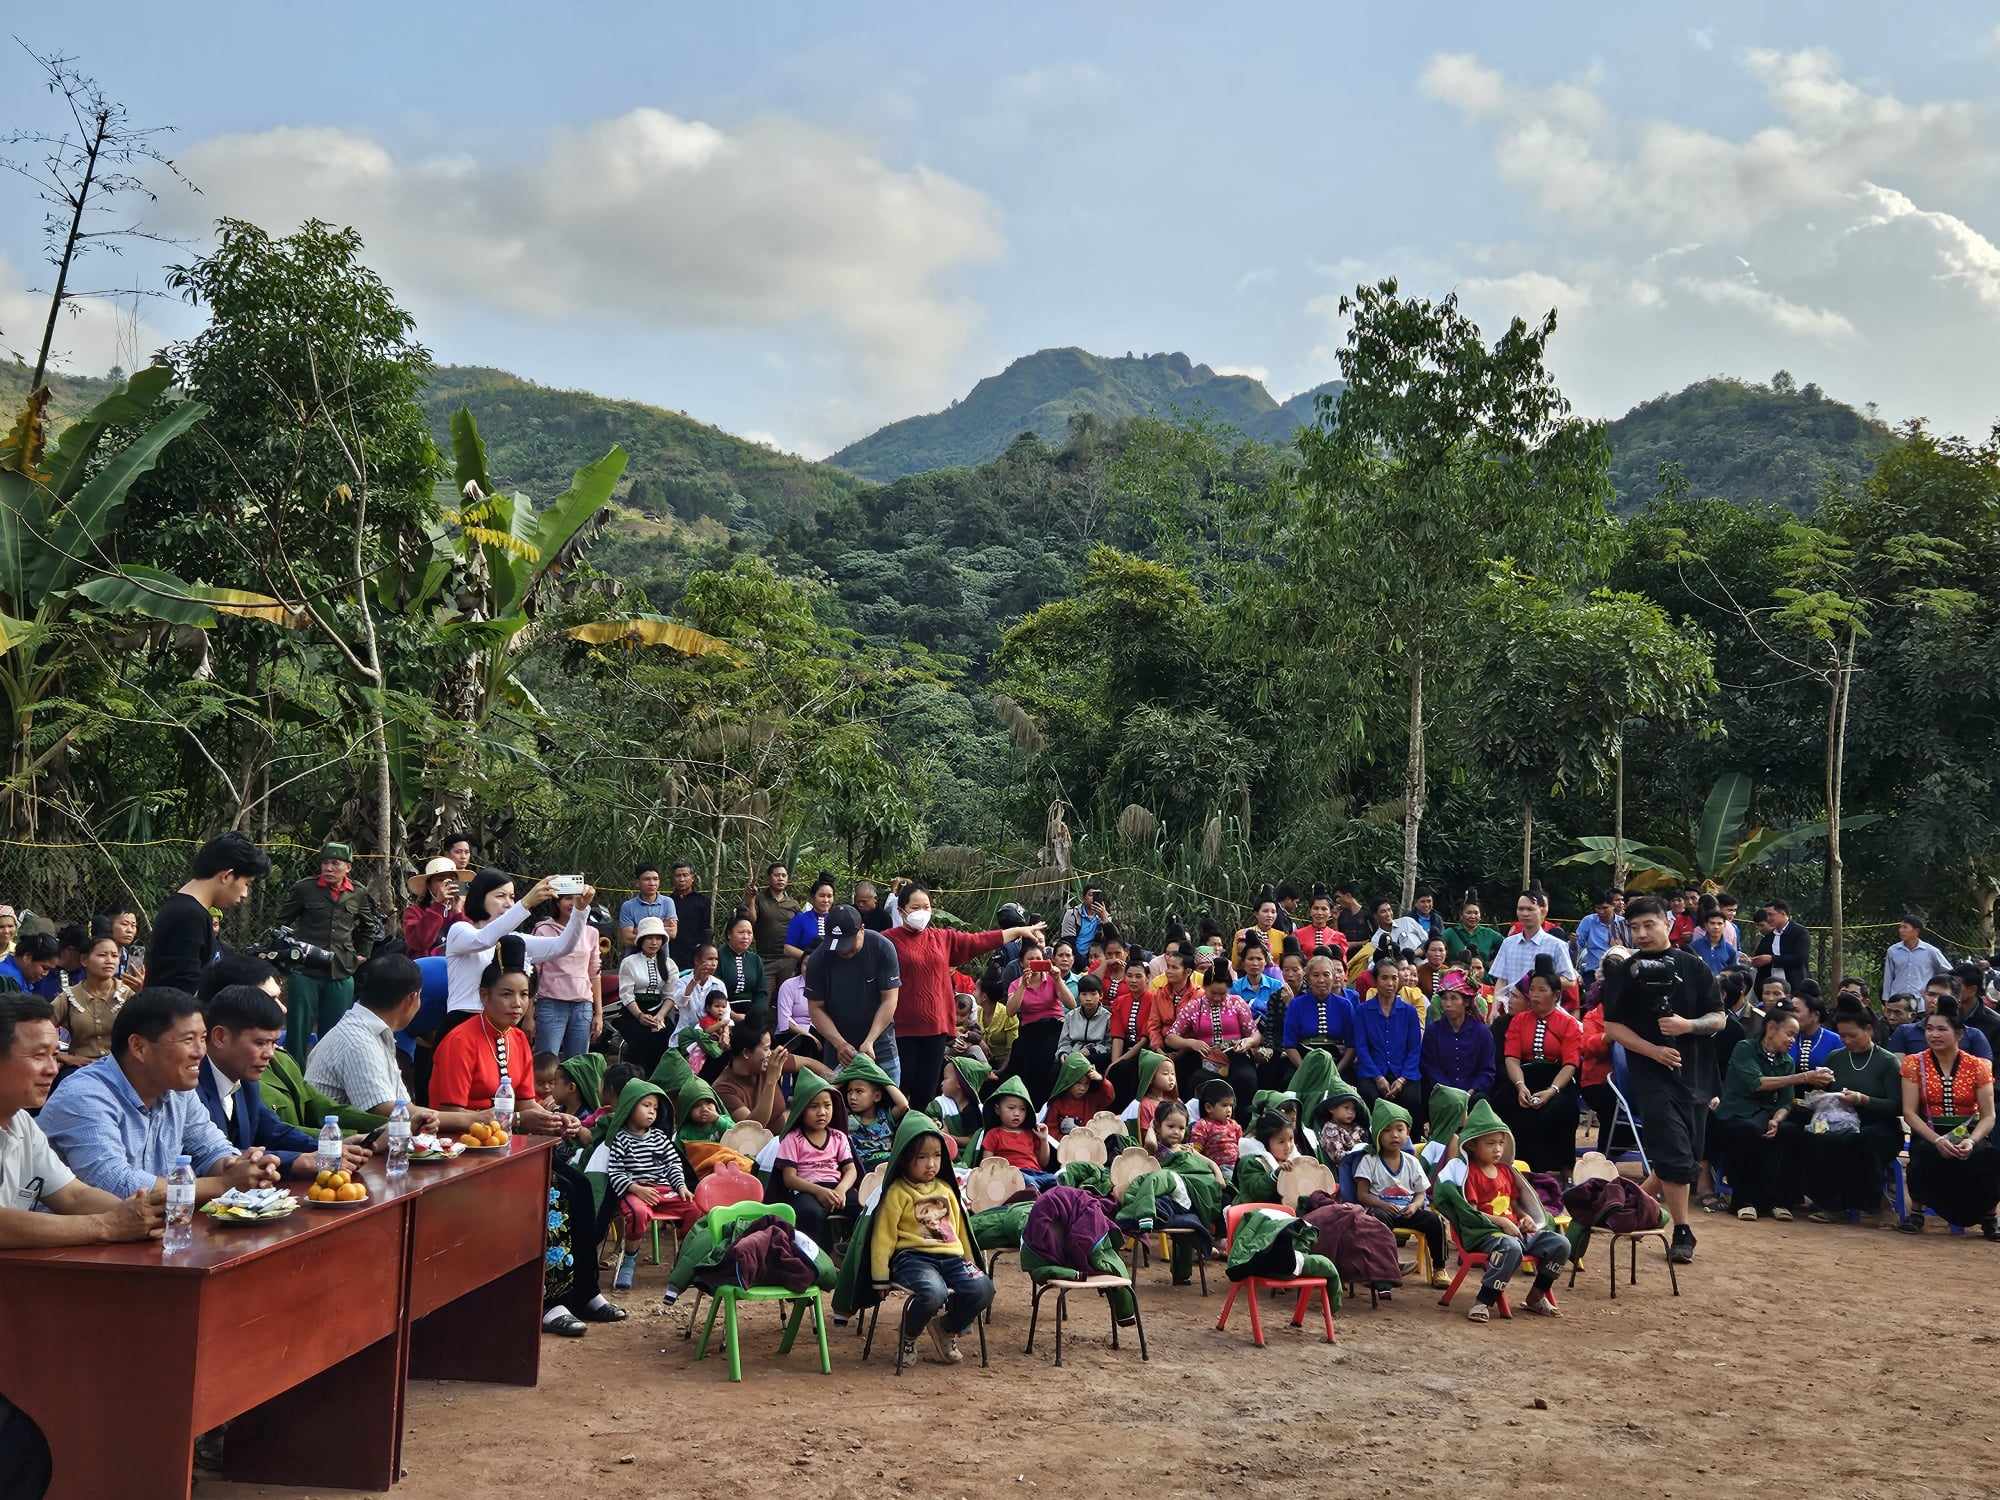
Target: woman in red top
<point x="1140" y="1014"/>
<point x="926" y="1012"/>
<point x="1541" y="1055"/>
<point x="1948" y="1105"/>
<point x="435" y="891"/>
<point x="468" y="1061"/>
<point x="1320" y="932"/>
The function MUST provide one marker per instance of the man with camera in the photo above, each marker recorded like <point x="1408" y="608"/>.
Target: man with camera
<point x="1661" y="1005"/>
<point x="322" y="913"/>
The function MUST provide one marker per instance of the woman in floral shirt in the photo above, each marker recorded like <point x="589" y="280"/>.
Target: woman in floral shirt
<point x="1217" y="1033"/>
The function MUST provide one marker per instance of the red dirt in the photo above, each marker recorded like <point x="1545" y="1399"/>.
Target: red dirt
<point x="1818" y="1360"/>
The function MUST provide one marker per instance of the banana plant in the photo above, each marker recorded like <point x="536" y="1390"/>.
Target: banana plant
<point x="1719" y="846"/>
<point x="60" y="576"/>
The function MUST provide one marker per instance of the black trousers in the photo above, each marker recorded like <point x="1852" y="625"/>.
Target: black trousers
<point x="1426" y="1223"/>
<point x="1033" y="1060"/>
<point x="586" y="1232"/>
<point x="1415" y="1098"/>
<point x="810" y="1214"/>
<point x="1763" y="1170"/>
<point x="923" y="1065"/>
<point x="1844" y="1173"/>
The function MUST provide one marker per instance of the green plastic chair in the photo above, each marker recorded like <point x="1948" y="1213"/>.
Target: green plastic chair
<point x="726" y="1297"/>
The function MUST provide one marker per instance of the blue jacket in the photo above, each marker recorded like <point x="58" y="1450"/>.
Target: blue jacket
<point x="1387" y="1046"/>
<point x="1303" y="1019"/>
<point x="254" y="1124"/>
<point x="1464" y="1059"/>
<point x="1259" y="999"/>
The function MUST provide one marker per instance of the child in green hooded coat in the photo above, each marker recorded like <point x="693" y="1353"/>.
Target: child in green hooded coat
<point x="815" y="1170"/>
<point x="1078" y="1094"/>
<point x="644" y="1172"/>
<point x="874" y="1105"/>
<point x="1496" y="1210"/>
<point x="1012" y="1134"/>
<point x="959" y="1098"/>
<point x="1390" y="1181"/>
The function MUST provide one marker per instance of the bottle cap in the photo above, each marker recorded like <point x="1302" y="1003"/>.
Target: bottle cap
<point x="333" y="1120"/>
<point x="183" y="1161"/>
<point x="402" y="1104"/>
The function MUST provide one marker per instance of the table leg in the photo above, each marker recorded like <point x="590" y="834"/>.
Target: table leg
<point x="492" y="1333"/>
<point x="338" y="1429"/>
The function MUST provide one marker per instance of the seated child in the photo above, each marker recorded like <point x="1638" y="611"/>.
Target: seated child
<point x="874" y="1108"/>
<point x="644" y="1172"/>
<point x="1009" y="1135"/>
<point x="1154" y="1083"/>
<point x="1079" y="1093"/>
<point x="1495" y="1209"/>
<point x="1086" y="1029"/>
<point x="1338" y="1125"/>
<point x="574" y="1086"/>
<point x="920" y="1240"/>
<point x="958" y="1103"/>
<point x="814" y="1170"/>
<point x="1270" y="1144"/>
<point x="1444" y="1113"/>
<point x="701" y="1124"/>
<point x="1216" y="1134"/>
<point x="1390" y="1182"/>
<point x="1170" y="1129"/>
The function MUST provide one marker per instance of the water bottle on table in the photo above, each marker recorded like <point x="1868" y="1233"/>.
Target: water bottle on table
<point x="399" y="1139"/>
<point x="180" y="1205"/>
<point x="327" y="1158"/>
<point x="503" y="1104"/>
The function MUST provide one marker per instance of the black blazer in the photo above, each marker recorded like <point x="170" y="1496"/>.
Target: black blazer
<point x="1789" y="950"/>
<point x="254" y="1124"/>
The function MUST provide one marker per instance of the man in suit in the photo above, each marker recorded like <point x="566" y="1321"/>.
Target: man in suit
<point x="1785" y="946"/>
<point x="244" y="1027"/>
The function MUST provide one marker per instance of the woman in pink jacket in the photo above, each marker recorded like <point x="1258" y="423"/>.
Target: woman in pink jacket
<point x="569" y="1005"/>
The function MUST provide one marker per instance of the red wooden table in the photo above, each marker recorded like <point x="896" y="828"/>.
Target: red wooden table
<point x="299" y="1333"/>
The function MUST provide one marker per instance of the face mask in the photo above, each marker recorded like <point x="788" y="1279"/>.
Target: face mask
<point x="917" y="920"/>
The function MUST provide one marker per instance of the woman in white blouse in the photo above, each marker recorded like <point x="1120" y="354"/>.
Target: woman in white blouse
<point x="490" y="901"/>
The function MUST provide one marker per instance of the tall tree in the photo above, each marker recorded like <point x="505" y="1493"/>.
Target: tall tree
<point x="1445" y="455"/>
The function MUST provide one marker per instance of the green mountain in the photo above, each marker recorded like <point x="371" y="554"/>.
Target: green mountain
<point x="1041" y="392"/>
<point x="681" y="470"/>
<point x="70" y="396"/>
<point x="1779" y="442"/>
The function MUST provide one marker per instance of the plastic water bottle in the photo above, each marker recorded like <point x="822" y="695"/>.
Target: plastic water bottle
<point x="503" y="1104"/>
<point x="327" y="1158"/>
<point x="399" y="1139"/>
<point x="180" y="1205"/>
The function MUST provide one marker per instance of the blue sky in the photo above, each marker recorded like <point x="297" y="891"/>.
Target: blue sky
<point x="800" y="222"/>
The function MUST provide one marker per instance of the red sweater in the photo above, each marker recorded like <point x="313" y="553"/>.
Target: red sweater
<point x="1021" y="1147"/>
<point x="926" y="1007"/>
<point x="465" y="1068"/>
<point x="1095" y="1098"/>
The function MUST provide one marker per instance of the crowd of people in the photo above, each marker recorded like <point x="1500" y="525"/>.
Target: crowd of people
<point x="1443" y="1064"/>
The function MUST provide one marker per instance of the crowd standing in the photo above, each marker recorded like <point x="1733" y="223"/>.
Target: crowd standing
<point x="1444" y="1066"/>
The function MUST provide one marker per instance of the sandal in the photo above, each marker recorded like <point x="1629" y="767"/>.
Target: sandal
<point x="1747" y="1215"/>
<point x="565" y="1325"/>
<point x="608" y="1312"/>
<point x="1914" y="1224"/>
<point x="1713" y="1203"/>
<point x="1782" y="1215"/>
<point x="1541" y="1308"/>
<point x="1821" y="1216"/>
<point x="1478" y="1313"/>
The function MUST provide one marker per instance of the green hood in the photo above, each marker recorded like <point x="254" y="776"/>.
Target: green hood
<point x="810" y="1087"/>
<point x="628" y="1100"/>
<point x="1386" y="1113"/>
<point x="672" y="1071"/>
<point x="864" y="1068"/>
<point x="913" y="1127"/>
<point x="1483" y="1121"/>
<point x="1013" y="1088"/>
<point x="1319" y="1085"/>
<point x="692" y="1036"/>
<point x="1143" y="1071"/>
<point x="1445" y="1113"/>
<point x="1073" y="1071"/>
<point x="972" y="1073"/>
<point x="586" y="1071"/>
<point x="692" y="1093"/>
<point x="1265" y="1100"/>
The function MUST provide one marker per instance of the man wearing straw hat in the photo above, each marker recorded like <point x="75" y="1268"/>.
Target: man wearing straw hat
<point x="324" y="909"/>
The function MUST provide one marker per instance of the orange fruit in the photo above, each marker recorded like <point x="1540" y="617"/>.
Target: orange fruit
<point x="323" y="1179"/>
<point x="339" y="1180"/>
<point x="353" y="1192"/>
<point x="468" y="1139"/>
<point x="316" y="1193"/>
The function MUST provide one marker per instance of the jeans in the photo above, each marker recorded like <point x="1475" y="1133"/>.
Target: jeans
<point x="939" y="1281"/>
<point x="1503" y="1259"/>
<point x="887" y="1058"/>
<point x="562" y="1027"/>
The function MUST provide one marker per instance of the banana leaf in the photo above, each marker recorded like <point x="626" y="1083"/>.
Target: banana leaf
<point x="653" y="630"/>
<point x="1721" y="827"/>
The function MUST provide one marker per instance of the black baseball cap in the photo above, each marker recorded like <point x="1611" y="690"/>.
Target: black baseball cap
<point x="842" y="923"/>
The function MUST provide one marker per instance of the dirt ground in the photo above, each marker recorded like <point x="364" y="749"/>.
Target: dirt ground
<point x="1835" y="1361"/>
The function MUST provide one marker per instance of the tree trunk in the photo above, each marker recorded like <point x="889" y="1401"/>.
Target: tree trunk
<point x="1836" y="770"/>
<point x="1619" y="870"/>
<point x="1984" y="906"/>
<point x="69" y="250"/>
<point x="1413" y="783"/>
<point x="1527" y="843"/>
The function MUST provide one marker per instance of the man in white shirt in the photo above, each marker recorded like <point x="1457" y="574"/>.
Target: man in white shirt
<point x="1515" y="957"/>
<point x="31" y="1172"/>
<point x="1911" y="963"/>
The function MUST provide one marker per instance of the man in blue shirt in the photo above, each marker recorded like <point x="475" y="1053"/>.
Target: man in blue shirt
<point x="120" y="1122"/>
<point x="1597" y="932"/>
<point x="1388" y="1045"/>
<point x="1322" y="1019"/>
<point x="32" y="961"/>
<point x="1712" y="946"/>
<point x="647" y="903"/>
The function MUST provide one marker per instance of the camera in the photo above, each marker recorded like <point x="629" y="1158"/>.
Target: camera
<point x="1653" y="976"/>
<point x="288" y="952"/>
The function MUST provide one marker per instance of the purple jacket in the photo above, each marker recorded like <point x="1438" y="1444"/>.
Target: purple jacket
<point x="1065" y="1226"/>
<point x="1463" y="1059"/>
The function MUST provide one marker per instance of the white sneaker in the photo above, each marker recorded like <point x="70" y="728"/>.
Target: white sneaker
<point x="944" y="1345"/>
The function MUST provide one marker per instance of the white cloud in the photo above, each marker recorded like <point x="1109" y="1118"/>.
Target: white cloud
<point x="1255" y="277"/>
<point x="650" y="220"/>
<point x="1965" y="254"/>
<point x="1703" y="37"/>
<point x="1526" y="294"/>
<point x="1053" y="79"/>
<point x="92" y="335"/>
<point x="1779" y="312"/>
<point x="1259" y="373"/>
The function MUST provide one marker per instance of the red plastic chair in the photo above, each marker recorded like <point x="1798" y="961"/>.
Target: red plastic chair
<point x="1471" y="1260"/>
<point x="724" y="1186"/>
<point x="1253" y="1286"/>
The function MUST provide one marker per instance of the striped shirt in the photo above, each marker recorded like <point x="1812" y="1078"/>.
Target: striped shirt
<point x="355" y="1063"/>
<point x="649" y="1158"/>
<point x="1515" y="957"/>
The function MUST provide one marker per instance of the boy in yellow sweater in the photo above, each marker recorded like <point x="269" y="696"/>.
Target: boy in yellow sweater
<point x="920" y="1240"/>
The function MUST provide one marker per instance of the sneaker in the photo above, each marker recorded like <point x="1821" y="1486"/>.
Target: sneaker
<point x="944" y="1345"/>
<point x="909" y="1354"/>
<point x="1681" y="1251"/>
<point x="1782" y="1215"/>
<point x="628" y="1268"/>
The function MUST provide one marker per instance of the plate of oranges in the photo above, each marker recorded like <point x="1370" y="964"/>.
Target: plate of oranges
<point x="336" y="1190"/>
<point x="484" y="1136"/>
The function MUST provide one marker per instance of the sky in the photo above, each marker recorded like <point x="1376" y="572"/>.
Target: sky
<point x="801" y="221"/>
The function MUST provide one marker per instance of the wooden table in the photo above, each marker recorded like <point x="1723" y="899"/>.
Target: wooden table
<point x="300" y="1333"/>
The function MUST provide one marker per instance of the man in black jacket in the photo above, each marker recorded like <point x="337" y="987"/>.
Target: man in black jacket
<point x="1785" y="947"/>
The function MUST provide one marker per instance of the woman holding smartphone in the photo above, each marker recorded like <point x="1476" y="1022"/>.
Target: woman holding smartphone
<point x="1038" y="1000"/>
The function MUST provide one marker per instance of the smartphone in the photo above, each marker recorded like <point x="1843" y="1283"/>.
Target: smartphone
<point x="1039" y="966"/>
<point x="566" y="885"/>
